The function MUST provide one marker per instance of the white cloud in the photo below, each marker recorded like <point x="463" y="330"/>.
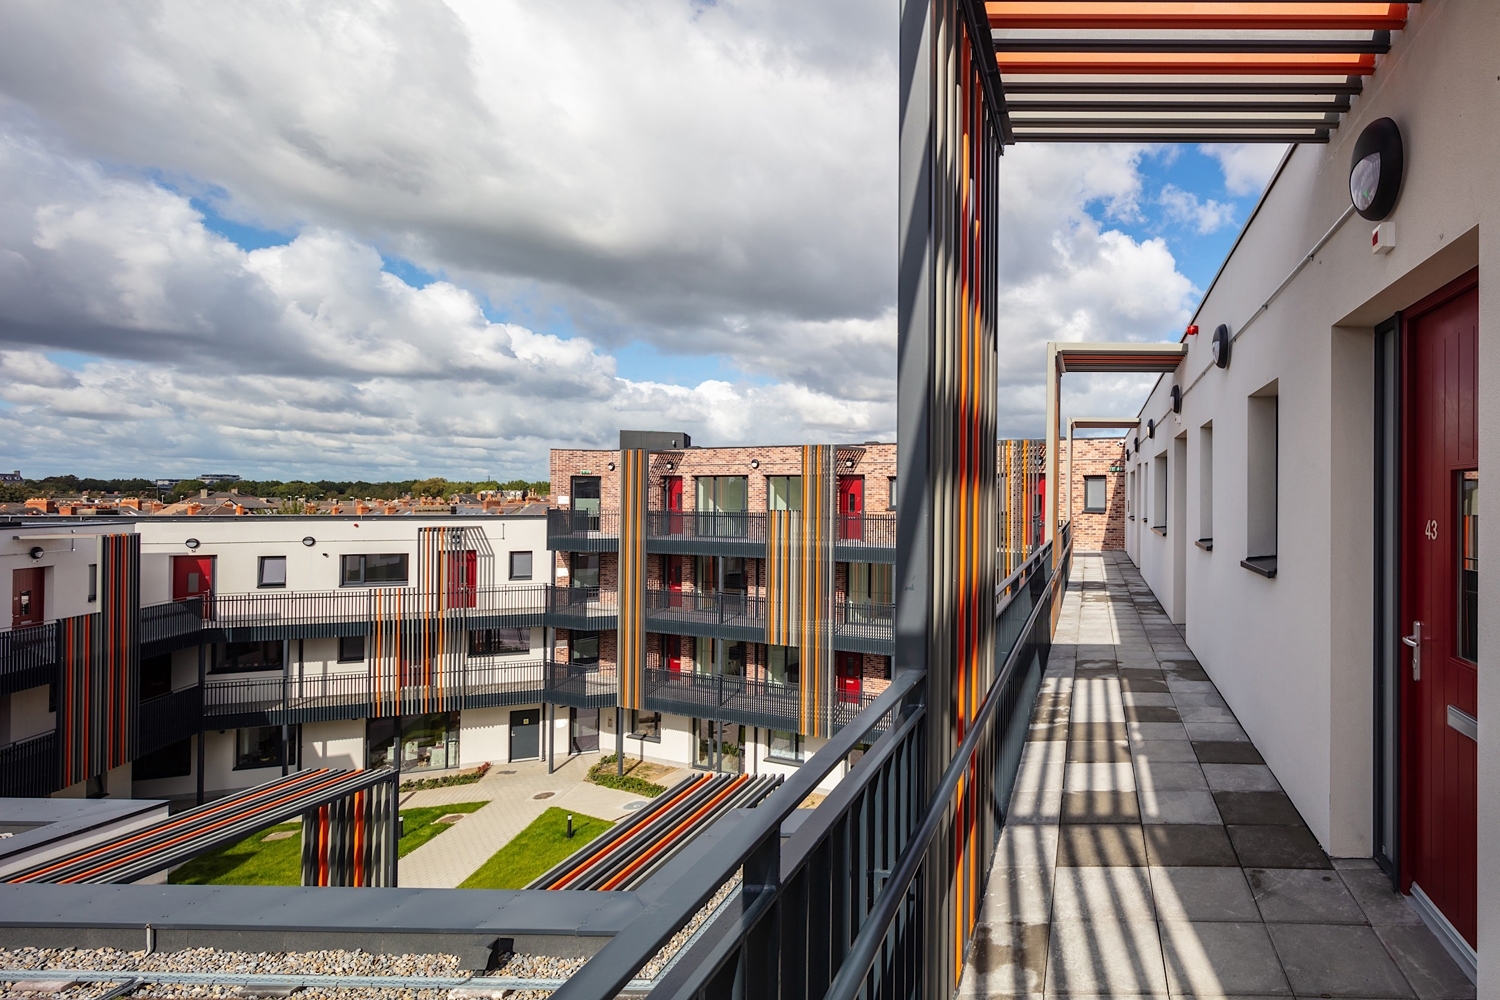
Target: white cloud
<point x="1205" y="216"/>
<point x="1247" y="166"/>
<point x="706" y="179"/>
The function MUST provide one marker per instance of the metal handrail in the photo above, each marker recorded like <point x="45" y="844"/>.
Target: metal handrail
<point x="751" y="839"/>
<point x="871" y="938"/>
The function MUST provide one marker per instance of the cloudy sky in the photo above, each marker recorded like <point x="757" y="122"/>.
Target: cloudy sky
<point x="382" y="240"/>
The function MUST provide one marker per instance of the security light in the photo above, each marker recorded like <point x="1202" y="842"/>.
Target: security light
<point x="37" y="552"/>
<point x="309" y="541"/>
<point x="755" y="463"/>
<point x="1221" y="346"/>
<point x="191" y="543"/>
<point x="1375" y="170"/>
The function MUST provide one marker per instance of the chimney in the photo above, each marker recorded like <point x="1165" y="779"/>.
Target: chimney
<point x="203" y="493"/>
<point x="194" y="507"/>
<point x="235" y="490"/>
<point x="361" y="508"/>
<point x="239" y="509"/>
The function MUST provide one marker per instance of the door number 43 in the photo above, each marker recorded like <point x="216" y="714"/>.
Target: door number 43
<point x="1430" y="530"/>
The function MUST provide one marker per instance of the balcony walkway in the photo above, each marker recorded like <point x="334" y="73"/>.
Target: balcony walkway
<point x="1151" y="853"/>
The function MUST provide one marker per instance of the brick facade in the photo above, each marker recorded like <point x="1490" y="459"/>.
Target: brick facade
<point x="1096" y="532"/>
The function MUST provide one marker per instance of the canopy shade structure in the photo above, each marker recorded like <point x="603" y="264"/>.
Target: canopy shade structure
<point x="1063" y="358"/>
<point x="1207" y="71"/>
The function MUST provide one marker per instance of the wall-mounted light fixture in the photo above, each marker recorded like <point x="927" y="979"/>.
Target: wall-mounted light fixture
<point x="191" y="543"/>
<point x="670" y="466"/>
<point x="1176" y="399"/>
<point x="755" y="463"/>
<point x="1375" y="170"/>
<point x="1151" y="428"/>
<point x="1137" y="442"/>
<point x="1222" y="343"/>
<point x="849" y="463"/>
<point x="37" y="552"/>
<point x="309" y="541"/>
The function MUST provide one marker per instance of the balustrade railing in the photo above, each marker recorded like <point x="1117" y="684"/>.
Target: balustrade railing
<point x="857" y="901"/>
<point x="29" y="768"/>
<point x="706" y="608"/>
<point x="28" y="657"/>
<point x="866" y="619"/>
<point x="168" y="718"/>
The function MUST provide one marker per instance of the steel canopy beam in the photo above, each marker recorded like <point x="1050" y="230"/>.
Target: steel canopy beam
<point x="1198" y="62"/>
<point x="1267" y="16"/>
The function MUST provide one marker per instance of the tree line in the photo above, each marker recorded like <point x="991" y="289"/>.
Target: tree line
<point x="322" y="489"/>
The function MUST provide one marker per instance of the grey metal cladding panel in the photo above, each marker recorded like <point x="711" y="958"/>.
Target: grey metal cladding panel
<point x="864" y="644"/>
<point x="231" y="908"/>
<point x="707" y="630"/>
<point x="577" y="543"/>
<point x="708" y="546"/>
<point x="844" y="552"/>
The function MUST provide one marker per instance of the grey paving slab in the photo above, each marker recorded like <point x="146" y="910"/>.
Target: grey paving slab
<point x="1151" y="850"/>
<point x="1203" y="894"/>
<point x="1337" y="960"/>
<point x="1303" y="895"/>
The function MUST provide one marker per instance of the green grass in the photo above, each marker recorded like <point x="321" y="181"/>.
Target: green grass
<point x="253" y="861"/>
<point x="422" y="826"/>
<point x="535" y="849"/>
<point x="603" y="773"/>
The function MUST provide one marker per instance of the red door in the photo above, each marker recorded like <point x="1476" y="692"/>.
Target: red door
<point x="672" y="645"/>
<point x="852" y="507"/>
<point x="463" y="577"/>
<point x="28" y="597"/>
<point x="1440" y="600"/>
<point x="192" y="576"/>
<point x="848" y="668"/>
<point x="671" y="501"/>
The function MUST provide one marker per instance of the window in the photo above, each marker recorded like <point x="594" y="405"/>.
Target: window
<point x="729" y="494"/>
<point x="374" y="570"/>
<point x="870" y="583"/>
<point x="783" y="492"/>
<point x="645" y="726"/>
<point x="351" y="648"/>
<point x="585" y="569"/>
<point x="1159" y="493"/>
<point x="1260" y="481"/>
<point x="499" y="641"/>
<point x="272" y="571"/>
<point x="247" y="657"/>
<point x="257" y="747"/>
<point x="586" y="494"/>
<point x="1206" y="483"/>
<point x="892" y="501"/>
<point x="1093" y="494"/>
<point x="1468" y="566"/>
<point x="93" y="582"/>
<point x="428" y="742"/>
<point x="1130" y="494"/>
<point x="785" y="745"/>
<point x="520" y="565"/>
<point x="175" y="760"/>
<point x="784" y="664"/>
<point x="583" y="649"/>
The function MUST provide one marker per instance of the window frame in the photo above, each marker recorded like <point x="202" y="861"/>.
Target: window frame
<point x="635" y="726"/>
<point x="260" y="573"/>
<point x="530" y="564"/>
<point x="796" y="758"/>
<point x="404" y="561"/>
<point x="1103" y="484"/>
<point x="239" y="756"/>
<point x="482" y="647"/>
<point x="351" y="659"/>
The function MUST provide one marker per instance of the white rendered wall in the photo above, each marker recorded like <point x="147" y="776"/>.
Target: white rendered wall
<point x="1293" y="655"/>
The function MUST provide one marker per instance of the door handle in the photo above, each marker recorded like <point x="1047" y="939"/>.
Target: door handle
<point x="1415" y="642"/>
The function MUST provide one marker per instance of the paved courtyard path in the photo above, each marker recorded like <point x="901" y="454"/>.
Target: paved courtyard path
<point x="1151" y="853"/>
<point x="512" y="792"/>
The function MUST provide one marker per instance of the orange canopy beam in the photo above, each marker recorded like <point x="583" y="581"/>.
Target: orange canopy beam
<point x="1109" y="14"/>
<point x="1214" y="63"/>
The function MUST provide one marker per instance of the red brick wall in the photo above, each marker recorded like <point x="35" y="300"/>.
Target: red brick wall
<point x="1096" y="457"/>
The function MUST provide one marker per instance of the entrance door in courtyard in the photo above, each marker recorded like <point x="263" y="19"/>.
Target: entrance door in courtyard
<point x="1439" y="577"/>
<point x="526" y="734"/>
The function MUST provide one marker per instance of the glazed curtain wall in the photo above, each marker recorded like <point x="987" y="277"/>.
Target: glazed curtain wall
<point x="945" y="588"/>
<point x="97" y="675"/>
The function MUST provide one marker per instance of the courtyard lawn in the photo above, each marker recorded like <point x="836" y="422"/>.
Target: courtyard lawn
<point x="278" y="861"/>
<point x="535" y="849"/>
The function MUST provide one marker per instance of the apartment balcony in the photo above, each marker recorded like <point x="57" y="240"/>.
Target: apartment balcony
<point x="583" y="531"/>
<point x="273" y="701"/>
<point x="29" y="768"/>
<point x="732" y="615"/>
<point x="746" y="701"/>
<point x="864" y="626"/>
<point x="856" y="537"/>
<point x="581" y="686"/>
<point x="588" y="609"/>
<point x="28" y="657"/>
